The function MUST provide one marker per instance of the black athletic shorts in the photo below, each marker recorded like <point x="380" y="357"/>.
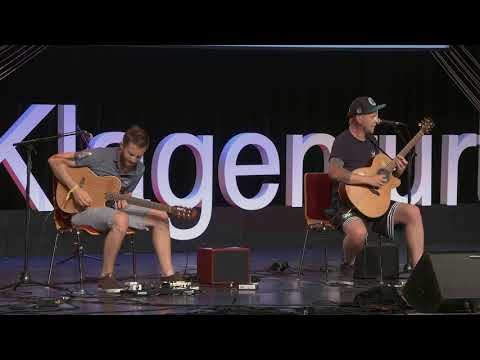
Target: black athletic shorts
<point x="341" y="214"/>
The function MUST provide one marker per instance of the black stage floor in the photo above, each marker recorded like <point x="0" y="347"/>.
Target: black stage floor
<point x="277" y="293"/>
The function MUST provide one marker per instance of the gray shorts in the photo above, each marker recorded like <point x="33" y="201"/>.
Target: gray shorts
<point x="101" y="218"/>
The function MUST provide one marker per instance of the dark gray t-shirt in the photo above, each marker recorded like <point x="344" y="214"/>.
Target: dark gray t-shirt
<point x="105" y="162"/>
<point x="353" y="152"/>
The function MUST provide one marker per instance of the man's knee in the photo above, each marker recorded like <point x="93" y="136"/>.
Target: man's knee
<point x="413" y="214"/>
<point x="120" y="222"/>
<point x="158" y="215"/>
<point x="357" y="233"/>
<point x="158" y="222"/>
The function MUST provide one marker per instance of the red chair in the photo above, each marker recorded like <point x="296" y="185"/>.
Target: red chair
<point x="63" y="225"/>
<point x="317" y="188"/>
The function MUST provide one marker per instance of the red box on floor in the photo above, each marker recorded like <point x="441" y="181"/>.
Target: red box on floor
<point x="223" y="265"/>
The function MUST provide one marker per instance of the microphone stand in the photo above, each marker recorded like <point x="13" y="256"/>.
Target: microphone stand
<point x="29" y="147"/>
<point x="410" y="158"/>
<point x="385" y="293"/>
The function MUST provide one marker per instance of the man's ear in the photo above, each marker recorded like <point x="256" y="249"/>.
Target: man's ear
<point x="121" y="146"/>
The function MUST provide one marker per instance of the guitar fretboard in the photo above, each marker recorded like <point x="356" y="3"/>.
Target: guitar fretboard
<point x="406" y="149"/>
<point x="141" y="202"/>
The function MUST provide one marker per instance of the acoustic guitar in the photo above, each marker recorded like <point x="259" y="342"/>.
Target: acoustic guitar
<point x="373" y="202"/>
<point x="105" y="188"/>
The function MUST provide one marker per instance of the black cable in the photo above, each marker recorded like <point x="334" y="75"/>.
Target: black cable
<point x="127" y="300"/>
<point x="31" y="304"/>
<point x="132" y="299"/>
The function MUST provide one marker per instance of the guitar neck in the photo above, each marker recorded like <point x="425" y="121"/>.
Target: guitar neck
<point x="406" y="149"/>
<point x="141" y="202"/>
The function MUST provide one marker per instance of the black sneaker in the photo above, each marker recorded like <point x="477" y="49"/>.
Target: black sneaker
<point x="346" y="270"/>
<point x="109" y="285"/>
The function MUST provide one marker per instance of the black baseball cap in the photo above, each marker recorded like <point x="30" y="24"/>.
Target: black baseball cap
<point x="363" y="105"/>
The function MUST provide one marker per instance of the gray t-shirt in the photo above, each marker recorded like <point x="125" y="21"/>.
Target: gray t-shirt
<point x="105" y="162"/>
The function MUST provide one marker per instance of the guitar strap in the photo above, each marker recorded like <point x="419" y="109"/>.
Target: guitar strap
<point x="373" y="140"/>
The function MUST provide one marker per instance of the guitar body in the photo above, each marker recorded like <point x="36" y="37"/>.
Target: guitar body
<point x="371" y="202"/>
<point x="103" y="188"/>
<point x="96" y="186"/>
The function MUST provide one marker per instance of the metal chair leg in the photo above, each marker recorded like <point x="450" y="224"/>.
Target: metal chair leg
<point x="326" y="264"/>
<point x="134" y="259"/>
<point x="80" y="262"/>
<point x="53" y="258"/>
<point x="365" y="258"/>
<point x="380" y="258"/>
<point x="300" y="270"/>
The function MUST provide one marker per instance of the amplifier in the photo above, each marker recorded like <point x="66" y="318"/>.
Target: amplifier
<point x="223" y="265"/>
<point x="367" y="262"/>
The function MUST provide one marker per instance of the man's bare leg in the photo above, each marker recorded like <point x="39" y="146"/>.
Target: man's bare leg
<point x="355" y="234"/>
<point x="113" y="242"/>
<point x="158" y="222"/>
<point x="410" y="216"/>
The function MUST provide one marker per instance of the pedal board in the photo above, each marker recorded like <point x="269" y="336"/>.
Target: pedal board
<point x="177" y="284"/>
<point x="253" y="286"/>
<point x="165" y="288"/>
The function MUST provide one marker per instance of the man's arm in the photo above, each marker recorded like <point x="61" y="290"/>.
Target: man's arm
<point x="59" y="163"/>
<point x="122" y="204"/>
<point x="337" y="172"/>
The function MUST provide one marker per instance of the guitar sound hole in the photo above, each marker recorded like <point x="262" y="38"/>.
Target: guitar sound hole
<point x="385" y="173"/>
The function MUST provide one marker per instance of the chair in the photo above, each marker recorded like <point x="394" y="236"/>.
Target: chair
<point x="317" y="188"/>
<point x="63" y="225"/>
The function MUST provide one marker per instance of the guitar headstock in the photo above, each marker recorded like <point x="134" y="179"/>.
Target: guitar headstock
<point x="426" y="125"/>
<point x="184" y="212"/>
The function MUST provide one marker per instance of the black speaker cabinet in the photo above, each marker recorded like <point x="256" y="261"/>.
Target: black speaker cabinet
<point x="367" y="262"/>
<point x="223" y="265"/>
<point x="444" y="282"/>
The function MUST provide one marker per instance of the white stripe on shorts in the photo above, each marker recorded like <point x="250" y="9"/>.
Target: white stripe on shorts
<point x="391" y="222"/>
<point x="350" y="219"/>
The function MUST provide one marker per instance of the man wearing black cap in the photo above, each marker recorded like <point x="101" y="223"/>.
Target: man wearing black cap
<point x="353" y="149"/>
